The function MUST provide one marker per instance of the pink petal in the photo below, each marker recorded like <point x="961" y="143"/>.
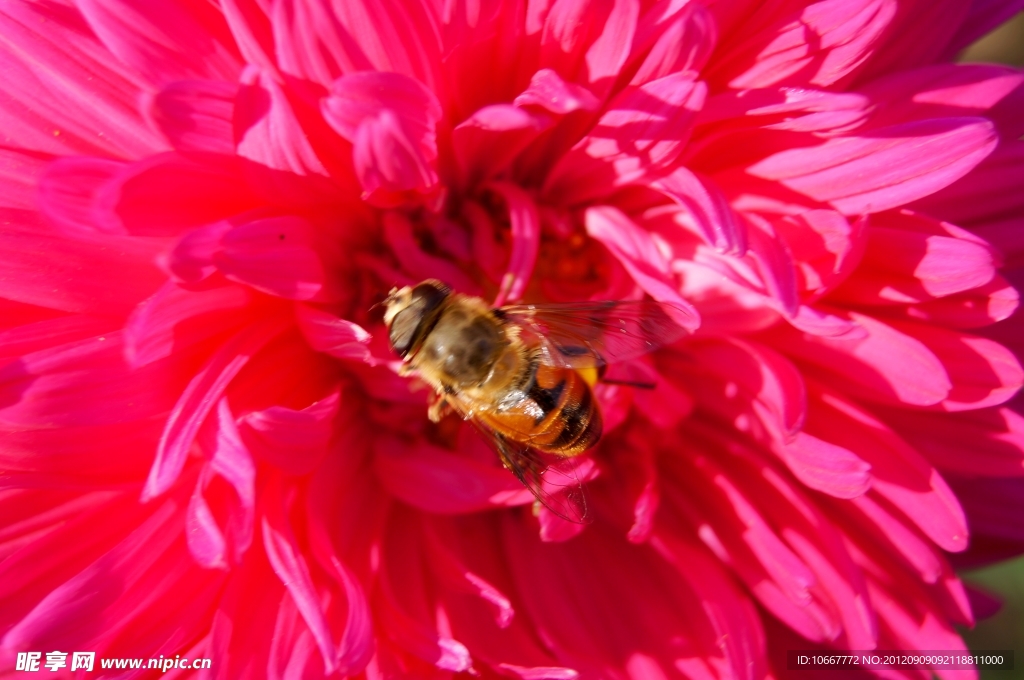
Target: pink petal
<point x="817" y="44"/>
<point x="167" y="43"/>
<point x="106" y="275"/>
<point x="825" y="467"/>
<point x="357" y="97"/>
<point x="682" y="42"/>
<point x="489" y="140"/>
<point x="310" y="42"/>
<point x="191" y="260"/>
<point x="885" y="364"/>
<point x="643" y="130"/>
<point x="987" y="194"/>
<point x="250" y="27"/>
<point x="883" y="168"/>
<point x="588" y="41"/>
<point x="910" y="258"/>
<point x="390" y="120"/>
<point x="144" y="198"/>
<point x="525" y="231"/>
<point x="550" y="92"/>
<point x="198" y="399"/>
<point x="391" y="170"/>
<point x="20" y="173"/>
<point x="982" y="306"/>
<point x="327" y="333"/>
<point x="436" y="480"/>
<point x="706" y="208"/>
<point x="271" y="133"/>
<point x="292" y="440"/>
<point x="275" y="255"/>
<point x="67" y="194"/>
<point x="457" y="576"/>
<point x="764" y="377"/>
<point x="36" y="335"/>
<point x="175" y="318"/>
<point x="638" y="253"/>
<point x="945" y="91"/>
<point x="983" y="372"/>
<point x="420" y="265"/>
<point x="774" y="262"/>
<point x="229" y="459"/>
<point x="197" y="115"/>
<point x="995" y="438"/>
<point x="72" y="96"/>
<point x="388" y="36"/>
<point x="290" y="566"/>
<point x="825" y="246"/>
<point x="899" y="473"/>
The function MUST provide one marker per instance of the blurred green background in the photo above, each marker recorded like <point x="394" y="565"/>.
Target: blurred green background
<point x="1005" y="630"/>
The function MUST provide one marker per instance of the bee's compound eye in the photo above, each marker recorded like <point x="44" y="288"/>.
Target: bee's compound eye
<point x="424" y="299"/>
<point x="403" y="329"/>
<point x="429" y="294"/>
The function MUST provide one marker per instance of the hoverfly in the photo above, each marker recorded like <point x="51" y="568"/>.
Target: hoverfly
<point x="517" y="372"/>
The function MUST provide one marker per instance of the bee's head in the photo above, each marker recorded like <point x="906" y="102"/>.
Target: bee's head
<point x="410" y="312"/>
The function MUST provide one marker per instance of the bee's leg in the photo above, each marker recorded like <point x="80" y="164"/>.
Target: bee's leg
<point x="405" y="370"/>
<point x="439" y="409"/>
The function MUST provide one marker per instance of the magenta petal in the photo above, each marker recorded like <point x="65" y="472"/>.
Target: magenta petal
<point x="71" y="96"/>
<point x="197" y="115"/>
<point x="816" y="44"/>
<point x="525" y="228"/>
<point x="198" y="400"/>
<point x="229" y="459"/>
<point x="489" y="140"/>
<point x="706" y="208"/>
<point x="327" y="333"/>
<point x="548" y="91"/>
<point x="638" y="253"/>
<point x="682" y="43"/>
<point x="399" y="234"/>
<point x="292" y="440"/>
<point x="191" y="261"/>
<point x="106" y="275"/>
<point x="144" y="198"/>
<point x="205" y="540"/>
<point x="270" y="133"/>
<point x="774" y="263"/>
<point x="643" y="130"/>
<point x="275" y="255"/>
<point x="439" y="481"/>
<point x="826" y="467"/>
<point x="359" y="96"/>
<point x="67" y="194"/>
<point x="311" y="42"/>
<point x="175" y="318"/>
<point x="291" y="567"/>
<point x="20" y="173"/>
<point x="172" y="42"/>
<point x="389" y="164"/>
<point x="899" y="473"/>
<point x="886" y="364"/>
<point x="883" y="168"/>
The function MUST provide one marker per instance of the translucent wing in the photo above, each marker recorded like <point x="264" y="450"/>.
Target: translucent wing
<point x="590" y="334"/>
<point x="553" y="480"/>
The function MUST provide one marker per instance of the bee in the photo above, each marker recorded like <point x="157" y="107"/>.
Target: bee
<point x="519" y="372"/>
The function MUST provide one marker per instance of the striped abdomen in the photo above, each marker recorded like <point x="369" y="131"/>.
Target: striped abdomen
<point x="558" y="414"/>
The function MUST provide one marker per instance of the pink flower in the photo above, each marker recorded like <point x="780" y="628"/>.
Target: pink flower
<point x="206" y="449"/>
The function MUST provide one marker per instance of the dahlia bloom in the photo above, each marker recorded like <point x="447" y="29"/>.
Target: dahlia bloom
<point x="206" y="448"/>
